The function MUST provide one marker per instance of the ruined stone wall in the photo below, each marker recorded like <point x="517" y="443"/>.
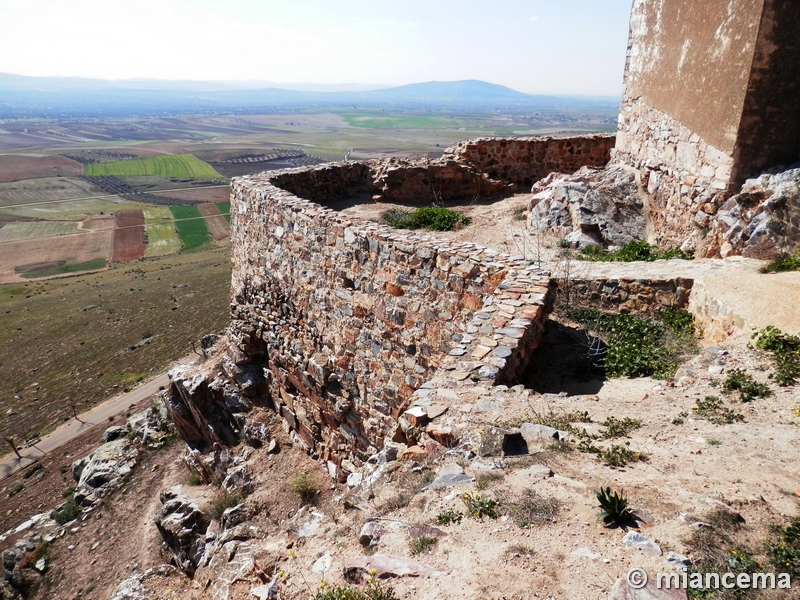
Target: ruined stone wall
<point x="349" y="317"/>
<point x="641" y="297"/>
<point x="523" y="161"/>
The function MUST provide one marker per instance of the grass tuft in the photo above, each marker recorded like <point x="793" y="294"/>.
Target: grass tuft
<point x="425" y="217"/>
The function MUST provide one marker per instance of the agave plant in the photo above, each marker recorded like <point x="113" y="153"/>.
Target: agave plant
<point x="614" y="506"/>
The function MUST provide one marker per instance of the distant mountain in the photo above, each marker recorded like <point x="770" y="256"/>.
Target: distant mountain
<point x="65" y="97"/>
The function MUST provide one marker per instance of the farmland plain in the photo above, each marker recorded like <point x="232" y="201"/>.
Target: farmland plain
<point x="69" y="338"/>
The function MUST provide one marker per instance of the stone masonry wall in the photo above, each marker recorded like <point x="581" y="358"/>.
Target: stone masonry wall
<point x="349" y="317"/>
<point x="687" y="179"/>
<point x="523" y="161"/>
<point x="641" y="297"/>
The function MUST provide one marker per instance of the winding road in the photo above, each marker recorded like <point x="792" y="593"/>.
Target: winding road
<point x="98" y="415"/>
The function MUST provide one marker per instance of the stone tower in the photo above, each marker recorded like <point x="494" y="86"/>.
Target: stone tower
<point x="712" y="89"/>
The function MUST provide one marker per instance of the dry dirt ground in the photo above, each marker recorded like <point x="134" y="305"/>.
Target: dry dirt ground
<point x="14" y="167"/>
<point x="693" y="465"/>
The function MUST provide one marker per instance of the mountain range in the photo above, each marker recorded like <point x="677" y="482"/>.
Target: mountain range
<point x="22" y="96"/>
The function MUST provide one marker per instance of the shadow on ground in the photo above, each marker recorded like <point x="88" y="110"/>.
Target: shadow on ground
<point x="565" y="361"/>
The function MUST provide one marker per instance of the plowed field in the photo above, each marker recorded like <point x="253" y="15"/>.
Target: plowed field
<point x="217" y="225"/>
<point x="129" y="235"/>
<point x="13" y="167"/>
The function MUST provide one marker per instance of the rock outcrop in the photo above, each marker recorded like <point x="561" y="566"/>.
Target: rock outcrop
<point x="762" y="220"/>
<point x="591" y="207"/>
<point x="103" y="470"/>
<point x="182" y="525"/>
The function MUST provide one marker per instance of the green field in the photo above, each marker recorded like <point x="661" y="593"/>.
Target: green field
<point x="89" y="265"/>
<point x="225" y="210"/>
<point x="179" y="166"/>
<point x="29" y="230"/>
<point x="159" y="228"/>
<point x="191" y="227"/>
<point x="403" y="121"/>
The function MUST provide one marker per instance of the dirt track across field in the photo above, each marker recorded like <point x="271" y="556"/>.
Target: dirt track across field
<point x="216" y="223"/>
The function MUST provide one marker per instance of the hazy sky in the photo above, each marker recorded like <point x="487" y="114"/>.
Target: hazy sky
<point x="534" y="46"/>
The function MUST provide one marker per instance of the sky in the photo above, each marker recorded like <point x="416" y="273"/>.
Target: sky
<point x="574" y="47"/>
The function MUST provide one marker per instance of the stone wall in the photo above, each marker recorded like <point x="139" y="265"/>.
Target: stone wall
<point x="641" y="297"/>
<point x="349" y="317"/>
<point x="523" y="161"/>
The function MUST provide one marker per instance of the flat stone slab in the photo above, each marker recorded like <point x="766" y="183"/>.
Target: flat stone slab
<point x="385" y="566"/>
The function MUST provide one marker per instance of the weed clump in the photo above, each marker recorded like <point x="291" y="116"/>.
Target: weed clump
<point x="633" y="251"/>
<point x="785" y="553"/>
<point x="421" y="544"/>
<point x="785" y="351"/>
<point x="222" y="502"/>
<point x="711" y="409"/>
<point x="66" y="512"/>
<point x="449" y="516"/>
<point x="616" y="428"/>
<point x="785" y="262"/>
<point x="639" y="347"/>
<point x="425" y="217"/>
<point x="748" y="388"/>
<point x="478" y="507"/>
<point x="303" y="486"/>
<point x="533" y="509"/>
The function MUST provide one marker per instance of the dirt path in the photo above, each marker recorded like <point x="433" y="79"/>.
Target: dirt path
<point x="99" y="415"/>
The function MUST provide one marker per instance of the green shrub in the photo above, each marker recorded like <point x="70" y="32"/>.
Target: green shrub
<point x="614" y="507"/>
<point x="639" y="347"/>
<point x="16" y="489"/>
<point x="710" y="408"/>
<point x="421" y="544"/>
<point x="223" y="501"/>
<point x="304" y="486"/>
<point x="66" y="512"/>
<point x="616" y="428"/>
<point x="633" y="251"/>
<point x="425" y="217"/>
<point x="449" y="516"/>
<point x="194" y="478"/>
<point x="619" y="456"/>
<point x="375" y="590"/>
<point x="785" y="262"/>
<point x="785" y="351"/>
<point x="741" y="381"/>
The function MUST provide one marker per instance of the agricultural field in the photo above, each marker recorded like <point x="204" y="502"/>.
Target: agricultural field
<point x="68" y="210"/>
<point x="214" y="194"/>
<point x="217" y="226"/>
<point x="45" y="189"/>
<point x="128" y="235"/>
<point x="38" y="258"/>
<point x="162" y="236"/>
<point x="179" y="166"/>
<point x="225" y="209"/>
<point x="83" y="338"/>
<point x="191" y="227"/>
<point x="28" y="230"/>
<point x="14" y="167"/>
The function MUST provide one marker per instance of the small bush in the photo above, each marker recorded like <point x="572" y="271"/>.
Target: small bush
<point x="520" y="550"/>
<point x="31" y="471"/>
<point x="223" y="501"/>
<point x="614" y="507"/>
<point x="479" y="507"/>
<point x="633" y="251"/>
<point x="749" y="389"/>
<point x="619" y="456"/>
<point x="785" y="262"/>
<point x="396" y="502"/>
<point x="785" y="351"/>
<point x="425" y="217"/>
<point x="449" y="516"/>
<point x="713" y="442"/>
<point x="304" y="486"/>
<point x="710" y="408"/>
<point x="421" y="544"/>
<point x="66" y="512"/>
<point x="194" y="478"/>
<point x="16" y="489"/>
<point x="616" y="428"/>
<point x="374" y="591"/>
